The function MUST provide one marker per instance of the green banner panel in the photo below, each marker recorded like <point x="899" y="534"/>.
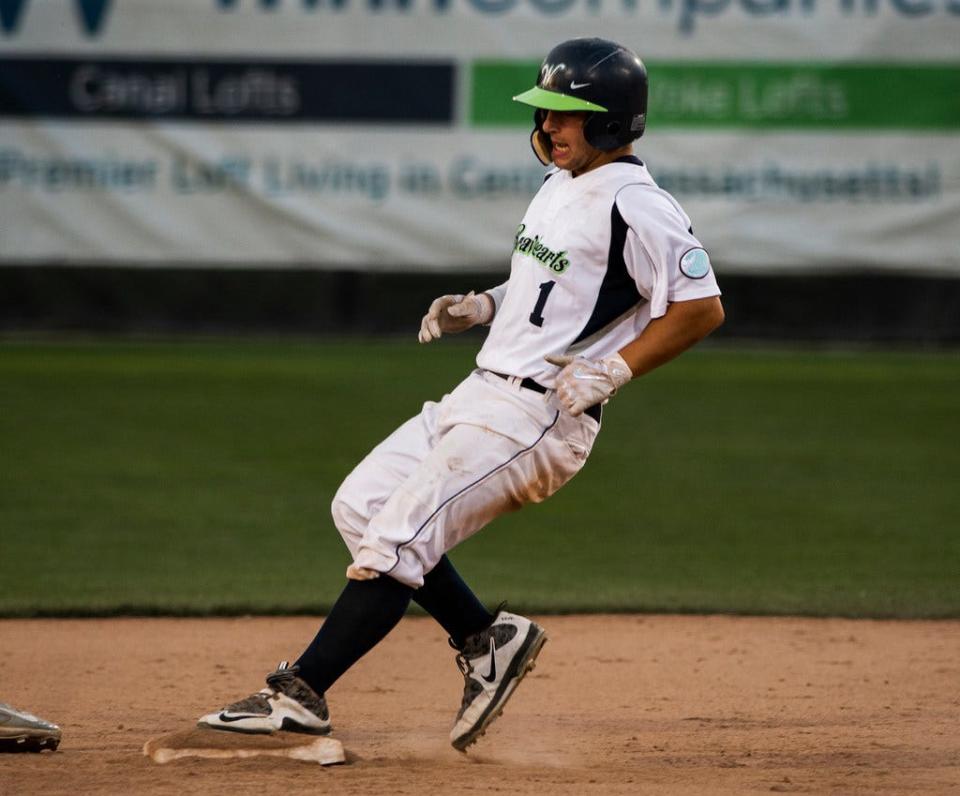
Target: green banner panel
<point x="696" y="94"/>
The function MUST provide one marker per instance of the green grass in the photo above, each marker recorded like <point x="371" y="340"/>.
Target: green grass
<point x="197" y="477"/>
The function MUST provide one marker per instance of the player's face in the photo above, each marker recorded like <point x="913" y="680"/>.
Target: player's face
<point x="568" y="148"/>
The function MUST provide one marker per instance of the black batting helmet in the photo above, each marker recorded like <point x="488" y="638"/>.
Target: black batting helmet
<point x="595" y="75"/>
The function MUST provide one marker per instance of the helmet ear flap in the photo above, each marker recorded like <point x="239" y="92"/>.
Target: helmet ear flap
<point x="539" y="140"/>
<point x="540" y="143"/>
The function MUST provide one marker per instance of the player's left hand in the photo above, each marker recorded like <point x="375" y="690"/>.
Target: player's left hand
<point x="586" y="382"/>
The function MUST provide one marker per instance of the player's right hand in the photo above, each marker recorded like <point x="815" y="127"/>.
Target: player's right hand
<point x="455" y="313"/>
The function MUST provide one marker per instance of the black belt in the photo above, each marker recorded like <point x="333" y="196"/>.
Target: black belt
<point x="527" y="383"/>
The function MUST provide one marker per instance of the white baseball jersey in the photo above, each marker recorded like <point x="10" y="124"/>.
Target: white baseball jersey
<point x="595" y="258"/>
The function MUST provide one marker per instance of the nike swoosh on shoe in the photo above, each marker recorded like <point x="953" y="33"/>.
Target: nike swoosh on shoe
<point x="240" y="716"/>
<point x="493" y="662"/>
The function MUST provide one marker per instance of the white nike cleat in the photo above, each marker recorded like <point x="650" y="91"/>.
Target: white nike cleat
<point x="287" y="703"/>
<point x="493" y="662"/>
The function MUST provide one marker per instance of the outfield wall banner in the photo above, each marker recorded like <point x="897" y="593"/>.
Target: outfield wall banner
<point x="800" y="135"/>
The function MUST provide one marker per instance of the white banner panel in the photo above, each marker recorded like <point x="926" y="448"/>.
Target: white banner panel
<point x="800" y="135"/>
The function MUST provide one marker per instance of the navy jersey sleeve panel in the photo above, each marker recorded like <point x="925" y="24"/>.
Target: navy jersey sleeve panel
<point x="618" y="291"/>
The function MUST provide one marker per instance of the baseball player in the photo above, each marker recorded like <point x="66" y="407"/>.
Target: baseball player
<point x="607" y="282"/>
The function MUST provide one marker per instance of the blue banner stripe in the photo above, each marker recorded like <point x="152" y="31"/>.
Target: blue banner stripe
<point x="229" y="90"/>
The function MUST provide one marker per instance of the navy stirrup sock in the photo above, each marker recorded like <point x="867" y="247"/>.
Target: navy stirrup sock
<point x="449" y="600"/>
<point x="367" y="610"/>
<point x="364" y="613"/>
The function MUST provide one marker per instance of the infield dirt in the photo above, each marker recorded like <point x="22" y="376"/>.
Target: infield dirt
<point x="617" y="704"/>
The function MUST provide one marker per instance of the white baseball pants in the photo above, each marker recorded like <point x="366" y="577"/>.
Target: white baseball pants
<point x="487" y="448"/>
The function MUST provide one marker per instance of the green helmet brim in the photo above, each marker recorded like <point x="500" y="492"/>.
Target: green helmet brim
<point x="555" y="101"/>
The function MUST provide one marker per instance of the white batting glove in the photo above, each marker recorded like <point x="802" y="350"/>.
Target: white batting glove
<point x="454" y="314"/>
<point x="586" y="382"/>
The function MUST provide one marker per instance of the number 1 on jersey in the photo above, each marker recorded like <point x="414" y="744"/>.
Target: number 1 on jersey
<point x="536" y="317"/>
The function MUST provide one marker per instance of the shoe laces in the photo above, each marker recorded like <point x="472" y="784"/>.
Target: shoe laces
<point x="283" y="674"/>
<point x="286" y="680"/>
<point x="463" y="664"/>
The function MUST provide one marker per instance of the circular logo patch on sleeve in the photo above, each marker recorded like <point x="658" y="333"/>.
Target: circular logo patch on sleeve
<point x="695" y="264"/>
